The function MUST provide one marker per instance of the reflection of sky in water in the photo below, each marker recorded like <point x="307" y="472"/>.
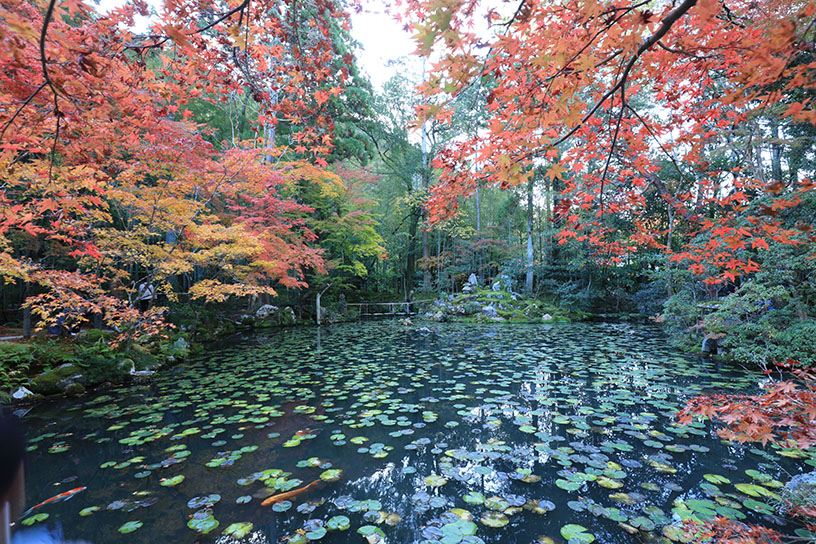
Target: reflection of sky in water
<point x="522" y="413"/>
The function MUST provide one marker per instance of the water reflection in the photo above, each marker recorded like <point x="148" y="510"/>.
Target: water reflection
<point x="523" y="429"/>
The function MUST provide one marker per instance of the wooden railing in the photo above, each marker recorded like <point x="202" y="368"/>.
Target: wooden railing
<point x="386" y="308"/>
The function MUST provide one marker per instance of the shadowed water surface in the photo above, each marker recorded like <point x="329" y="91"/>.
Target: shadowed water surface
<point x="469" y="433"/>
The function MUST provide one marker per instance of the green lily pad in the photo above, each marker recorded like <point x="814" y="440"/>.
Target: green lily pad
<point x="338" y="523"/>
<point x="331" y="475"/>
<point x="578" y="532"/>
<point x="494" y="519"/>
<point x="474" y="497"/>
<point x="204" y="526"/>
<point x="435" y="481"/>
<point x="130" y="526"/>
<point x="36" y="518"/>
<point x="170" y="482"/>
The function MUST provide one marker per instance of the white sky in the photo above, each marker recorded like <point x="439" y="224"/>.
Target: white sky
<point x="381" y="39"/>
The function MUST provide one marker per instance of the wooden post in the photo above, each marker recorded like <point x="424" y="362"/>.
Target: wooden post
<point x="320" y="294"/>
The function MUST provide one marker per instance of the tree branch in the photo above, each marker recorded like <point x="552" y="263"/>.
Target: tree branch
<point x="665" y="26"/>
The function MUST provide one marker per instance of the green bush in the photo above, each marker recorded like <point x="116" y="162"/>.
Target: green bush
<point x="16" y="361"/>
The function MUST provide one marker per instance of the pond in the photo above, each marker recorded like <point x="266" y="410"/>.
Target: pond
<point x="380" y="432"/>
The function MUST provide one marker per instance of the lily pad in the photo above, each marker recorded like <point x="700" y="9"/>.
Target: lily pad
<point x="494" y="519"/>
<point x="204" y="526"/>
<point x="130" y="526"/>
<point x="572" y="531"/>
<point x="170" y="482"/>
<point x="338" y="523"/>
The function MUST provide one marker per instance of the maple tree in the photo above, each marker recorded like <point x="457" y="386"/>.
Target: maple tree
<point x="618" y="100"/>
<point x="784" y="414"/>
<point x="109" y="183"/>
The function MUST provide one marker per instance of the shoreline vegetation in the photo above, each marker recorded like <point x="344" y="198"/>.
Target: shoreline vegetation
<point x="72" y="364"/>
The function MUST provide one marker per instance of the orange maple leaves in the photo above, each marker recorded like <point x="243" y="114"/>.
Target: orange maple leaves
<point x="612" y="99"/>
<point x="103" y="169"/>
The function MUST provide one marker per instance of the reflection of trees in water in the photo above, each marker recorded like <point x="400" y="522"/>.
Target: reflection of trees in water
<point x="490" y="380"/>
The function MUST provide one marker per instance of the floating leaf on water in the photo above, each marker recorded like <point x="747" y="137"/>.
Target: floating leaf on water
<point x="757" y="506"/>
<point x="282" y="506"/>
<point x="578" y="532"/>
<point x="170" y="482"/>
<point x="198" y="502"/>
<point x="623" y="498"/>
<point x="316" y="534"/>
<point x="130" y="526"/>
<point x="494" y="519"/>
<point x="204" y="526"/>
<point x="331" y="475"/>
<point x="755" y="490"/>
<point x="540" y="507"/>
<point x="496" y="503"/>
<point x="608" y="483"/>
<point x="435" y="480"/>
<point x="716" y="479"/>
<point x="474" y="497"/>
<point x="239" y="530"/>
<point x="88" y="511"/>
<point x="338" y="523"/>
<point x="36" y="518"/>
<point x="642" y="523"/>
<point x="457" y="530"/>
<point x="567" y="485"/>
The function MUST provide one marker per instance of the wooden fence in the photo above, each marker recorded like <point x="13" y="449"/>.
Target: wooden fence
<point x="372" y="309"/>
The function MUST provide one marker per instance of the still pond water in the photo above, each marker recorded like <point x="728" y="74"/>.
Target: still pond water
<point x="470" y="433"/>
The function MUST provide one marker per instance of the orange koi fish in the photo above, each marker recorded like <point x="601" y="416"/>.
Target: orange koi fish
<point x="57" y="498"/>
<point x="289" y="494"/>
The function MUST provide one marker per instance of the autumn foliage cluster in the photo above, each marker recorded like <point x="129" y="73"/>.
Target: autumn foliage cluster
<point x="108" y="182"/>
<point x="617" y="101"/>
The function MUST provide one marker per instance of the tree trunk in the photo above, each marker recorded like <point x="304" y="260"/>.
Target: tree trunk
<point x="26" y="314"/>
<point x="776" y="153"/>
<point x="528" y="285"/>
<point x="438" y="259"/>
<point x="669" y="287"/>
<point x="410" y="265"/>
<point x="426" y="255"/>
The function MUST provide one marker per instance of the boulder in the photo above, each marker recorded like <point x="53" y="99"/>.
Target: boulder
<point x="473" y="280"/>
<point x="472" y="307"/>
<point x="265" y="311"/>
<point x="245" y="320"/>
<point x="287" y="316"/>
<point x="141" y="376"/>
<point x="54" y="381"/>
<point x="439" y="316"/>
<point x="801" y="489"/>
<point x="546" y="317"/>
<point x="74" y="389"/>
<point x="490" y="311"/>
<point x="74" y="378"/>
